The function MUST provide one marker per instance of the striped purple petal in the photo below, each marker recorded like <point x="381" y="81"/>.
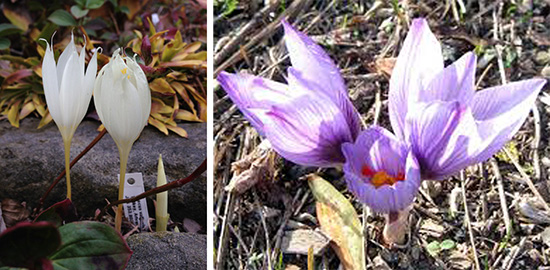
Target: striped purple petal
<point x="310" y="129"/>
<point x="309" y="118"/>
<point x="419" y="60"/>
<point x="253" y="95"/>
<point x="378" y="153"/>
<point x="315" y="66"/>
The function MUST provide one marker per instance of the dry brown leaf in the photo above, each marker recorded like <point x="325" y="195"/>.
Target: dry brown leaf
<point x="247" y="172"/>
<point x="13" y="212"/>
<point x="340" y="222"/>
<point x="383" y="66"/>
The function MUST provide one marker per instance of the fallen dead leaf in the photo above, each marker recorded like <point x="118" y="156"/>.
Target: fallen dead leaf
<point x="340" y="222"/>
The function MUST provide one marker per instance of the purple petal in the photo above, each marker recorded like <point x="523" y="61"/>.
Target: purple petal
<point x="308" y="131"/>
<point x="253" y="95"/>
<point x="443" y="137"/>
<point x="454" y="83"/>
<point x="418" y="62"/>
<point x="313" y="63"/>
<point x="501" y="111"/>
<point x="298" y="83"/>
<point x="380" y="150"/>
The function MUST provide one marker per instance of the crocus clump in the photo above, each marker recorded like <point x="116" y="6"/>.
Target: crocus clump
<point x="308" y="118"/>
<point x="441" y="124"/>
<point x="68" y="88"/>
<point x="123" y="102"/>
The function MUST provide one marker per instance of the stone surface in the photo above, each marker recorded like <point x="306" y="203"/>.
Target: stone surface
<point x="167" y="250"/>
<point x="31" y="158"/>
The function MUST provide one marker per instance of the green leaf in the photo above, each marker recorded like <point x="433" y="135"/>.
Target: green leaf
<point x="8" y="29"/>
<point x="81" y="3"/>
<point x="90" y="245"/>
<point x="4" y="43"/>
<point x="59" y="212"/>
<point x="229" y="6"/>
<point x="93" y="4"/>
<point x="47" y="32"/>
<point x="433" y="248"/>
<point x="62" y="18"/>
<point x="78" y="12"/>
<point x="125" y="10"/>
<point x="340" y="222"/>
<point x="28" y="244"/>
<point x="447" y="244"/>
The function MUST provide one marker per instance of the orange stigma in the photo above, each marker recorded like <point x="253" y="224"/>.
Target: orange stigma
<point x="381" y="178"/>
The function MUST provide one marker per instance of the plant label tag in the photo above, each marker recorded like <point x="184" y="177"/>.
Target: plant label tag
<point x="136" y="212"/>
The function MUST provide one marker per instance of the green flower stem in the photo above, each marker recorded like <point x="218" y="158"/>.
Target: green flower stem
<point x="67" y="144"/>
<point x="124" y="152"/>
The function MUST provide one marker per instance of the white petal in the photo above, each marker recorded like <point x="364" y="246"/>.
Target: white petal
<point x="51" y="84"/>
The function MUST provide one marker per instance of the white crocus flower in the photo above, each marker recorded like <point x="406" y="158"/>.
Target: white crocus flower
<point x="123" y="102"/>
<point x="68" y="89"/>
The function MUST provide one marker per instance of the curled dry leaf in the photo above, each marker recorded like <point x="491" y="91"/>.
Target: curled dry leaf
<point x="339" y="220"/>
<point x="13" y="212"/>
<point x="260" y="164"/>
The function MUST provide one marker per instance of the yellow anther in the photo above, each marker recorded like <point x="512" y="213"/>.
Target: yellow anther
<point x="128" y="76"/>
<point x="124" y="70"/>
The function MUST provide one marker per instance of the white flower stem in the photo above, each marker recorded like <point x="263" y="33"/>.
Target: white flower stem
<point x="124" y="152"/>
<point x="67" y="143"/>
<point x="397" y="226"/>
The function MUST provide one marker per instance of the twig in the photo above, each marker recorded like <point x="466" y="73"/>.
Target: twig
<point x="174" y="184"/>
<point x="483" y="74"/>
<point x="514" y="253"/>
<point x="75" y="160"/>
<point x="266" y="231"/>
<point x="219" y="264"/>
<point x="467" y="220"/>
<point x="526" y="178"/>
<point x="233" y="44"/>
<point x="295" y="7"/>
<point x="536" y="143"/>
<point x="502" y="196"/>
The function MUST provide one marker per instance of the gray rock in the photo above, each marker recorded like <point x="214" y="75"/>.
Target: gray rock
<point x="31" y="158"/>
<point x="167" y="250"/>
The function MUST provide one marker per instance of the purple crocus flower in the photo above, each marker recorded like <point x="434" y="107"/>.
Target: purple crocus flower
<point x="381" y="171"/>
<point x="309" y="118"/>
<point x="442" y="124"/>
<point x="438" y="112"/>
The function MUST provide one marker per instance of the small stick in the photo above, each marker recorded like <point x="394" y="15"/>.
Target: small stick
<point x="75" y="160"/>
<point x="266" y="231"/>
<point x="514" y="253"/>
<point x="467" y="219"/>
<point x="245" y="31"/>
<point x="295" y="7"/>
<point x="526" y="178"/>
<point x="536" y="143"/>
<point x="230" y="202"/>
<point x="502" y="196"/>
